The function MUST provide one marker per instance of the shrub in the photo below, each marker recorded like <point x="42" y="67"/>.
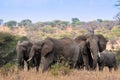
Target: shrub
<point x="10" y="67"/>
<point x="7" y="49"/>
<point x="48" y="29"/>
<point x="64" y="35"/>
<point x="115" y="32"/>
<point x="60" y="68"/>
<point x="118" y="56"/>
<point x="5" y="37"/>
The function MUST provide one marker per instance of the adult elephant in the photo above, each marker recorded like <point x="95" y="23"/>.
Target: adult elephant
<point x="23" y="49"/>
<point x="35" y="54"/>
<point x="91" y="45"/>
<point x="108" y="59"/>
<point x="52" y="49"/>
<point x="81" y="40"/>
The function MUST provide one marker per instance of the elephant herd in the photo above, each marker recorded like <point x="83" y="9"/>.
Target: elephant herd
<point x="85" y="51"/>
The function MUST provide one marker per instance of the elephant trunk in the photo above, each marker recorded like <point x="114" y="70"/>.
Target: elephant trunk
<point x="46" y="63"/>
<point x="95" y="63"/>
<point x="94" y="54"/>
<point x="20" y="60"/>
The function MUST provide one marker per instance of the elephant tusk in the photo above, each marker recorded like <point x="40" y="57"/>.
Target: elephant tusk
<point x="98" y="54"/>
<point x="92" y="55"/>
<point x="29" y="59"/>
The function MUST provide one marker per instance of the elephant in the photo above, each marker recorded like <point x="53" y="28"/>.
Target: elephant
<point x="82" y="47"/>
<point x="23" y="49"/>
<point x="52" y="49"/>
<point x="108" y="59"/>
<point x="90" y="46"/>
<point x="35" y="53"/>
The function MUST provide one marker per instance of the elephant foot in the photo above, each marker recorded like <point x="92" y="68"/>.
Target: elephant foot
<point x="110" y="69"/>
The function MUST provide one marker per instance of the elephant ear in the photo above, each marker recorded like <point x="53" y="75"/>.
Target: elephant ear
<point x="101" y="42"/>
<point x="47" y="47"/>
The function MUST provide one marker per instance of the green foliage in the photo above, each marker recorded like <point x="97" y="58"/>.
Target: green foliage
<point x="65" y="23"/>
<point x="23" y="38"/>
<point x="7" y="49"/>
<point x="7" y="68"/>
<point x="26" y="22"/>
<point x="100" y="20"/>
<point x="118" y="56"/>
<point x="61" y="35"/>
<point x="115" y="31"/>
<point x="62" y="67"/>
<point x="64" y="35"/>
<point x="57" y="22"/>
<point x="75" y="21"/>
<point x="83" y="31"/>
<point x="48" y="29"/>
<point x="5" y="37"/>
<point x="10" y="23"/>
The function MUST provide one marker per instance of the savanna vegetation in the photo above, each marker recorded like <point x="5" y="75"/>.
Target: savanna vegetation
<point x="56" y="29"/>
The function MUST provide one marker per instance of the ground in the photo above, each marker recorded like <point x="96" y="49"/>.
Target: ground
<point x="73" y="75"/>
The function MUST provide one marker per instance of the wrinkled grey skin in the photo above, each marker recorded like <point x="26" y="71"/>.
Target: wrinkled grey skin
<point x="23" y="50"/>
<point x="53" y="49"/>
<point x="108" y="59"/>
<point x="35" y="54"/>
<point x="82" y="48"/>
<point x="90" y="46"/>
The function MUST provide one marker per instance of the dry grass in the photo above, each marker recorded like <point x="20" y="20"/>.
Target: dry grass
<point x="74" y="75"/>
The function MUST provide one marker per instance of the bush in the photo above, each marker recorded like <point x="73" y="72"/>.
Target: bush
<point x="48" y="29"/>
<point x="7" y="68"/>
<point x="115" y="32"/>
<point x="7" y="49"/>
<point x="5" y="37"/>
<point x="118" y="56"/>
<point x="60" y="68"/>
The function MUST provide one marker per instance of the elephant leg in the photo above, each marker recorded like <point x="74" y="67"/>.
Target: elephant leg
<point x="110" y="69"/>
<point x="80" y="65"/>
<point x="101" y="68"/>
<point x="37" y="65"/>
<point x="73" y="62"/>
<point x="37" y="68"/>
<point x="90" y="61"/>
<point x="21" y="64"/>
<point x="94" y="64"/>
<point x="28" y="66"/>
<point x="115" y="66"/>
<point x="86" y="62"/>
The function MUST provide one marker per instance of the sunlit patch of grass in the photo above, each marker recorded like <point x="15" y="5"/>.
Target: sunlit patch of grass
<point x="74" y="75"/>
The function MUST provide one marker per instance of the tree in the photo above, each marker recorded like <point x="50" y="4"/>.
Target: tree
<point x="57" y="22"/>
<point x="99" y="20"/>
<point x="26" y="22"/>
<point x="75" y="21"/>
<point x="10" y="23"/>
<point x="118" y="14"/>
<point x="118" y="4"/>
<point x="66" y="23"/>
<point x="1" y="22"/>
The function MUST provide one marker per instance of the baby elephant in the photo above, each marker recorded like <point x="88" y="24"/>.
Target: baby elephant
<point x="108" y="59"/>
